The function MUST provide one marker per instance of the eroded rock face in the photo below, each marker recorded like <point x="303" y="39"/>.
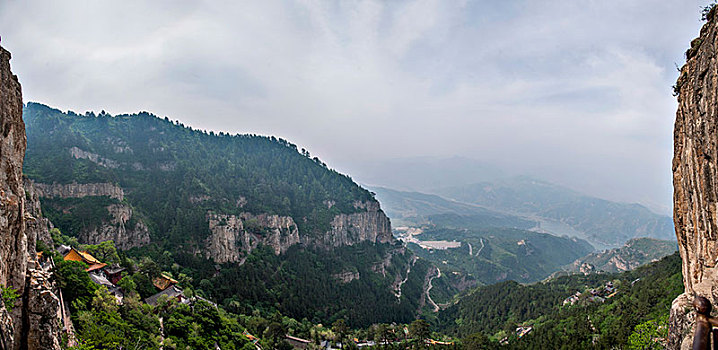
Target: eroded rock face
<point x="75" y="190"/>
<point x="233" y="237"/>
<point x="37" y="226"/>
<point x="125" y="233"/>
<point x="78" y="153"/>
<point x="348" y="229"/>
<point x="36" y="314"/>
<point x="13" y="249"/>
<point x="695" y="165"/>
<point x="42" y="309"/>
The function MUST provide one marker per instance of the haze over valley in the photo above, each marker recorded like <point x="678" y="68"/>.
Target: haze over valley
<point x="416" y="174"/>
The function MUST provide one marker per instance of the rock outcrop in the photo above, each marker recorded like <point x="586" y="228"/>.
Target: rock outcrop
<point x="75" y="190"/>
<point x="36" y="225"/>
<point x="370" y="224"/>
<point x="125" y="232"/>
<point x="78" y="153"/>
<point x="634" y="253"/>
<point x="33" y="323"/>
<point x="695" y="172"/>
<point x="42" y="310"/>
<point x="120" y="229"/>
<point x="233" y="237"/>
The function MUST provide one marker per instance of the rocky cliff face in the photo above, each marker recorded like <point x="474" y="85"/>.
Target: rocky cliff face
<point x="75" y="190"/>
<point x="37" y="226"/>
<point x="370" y="224"/>
<point x="233" y="237"/>
<point x="695" y="172"/>
<point x="125" y="232"/>
<point x="120" y="229"/>
<point x="17" y="244"/>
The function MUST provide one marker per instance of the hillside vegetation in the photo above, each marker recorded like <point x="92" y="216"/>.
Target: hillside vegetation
<point x="173" y="176"/>
<point x="636" y="252"/>
<point x="639" y="304"/>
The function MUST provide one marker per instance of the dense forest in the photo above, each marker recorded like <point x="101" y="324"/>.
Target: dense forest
<point x="601" y="311"/>
<point x="172" y="176"/>
<point x="167" y="167"/>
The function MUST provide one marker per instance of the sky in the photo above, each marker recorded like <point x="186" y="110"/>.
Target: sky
<point x="573" y="92"/>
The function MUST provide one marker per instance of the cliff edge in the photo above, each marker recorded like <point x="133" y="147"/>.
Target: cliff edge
<point x="32" y="323"/>
<point x="695" y="172"/>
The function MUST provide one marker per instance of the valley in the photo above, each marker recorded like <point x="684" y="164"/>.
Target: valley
<point x="458" y="193"/>
<point x="475" y="245"/>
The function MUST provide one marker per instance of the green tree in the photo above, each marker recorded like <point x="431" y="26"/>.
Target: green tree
<point x="341" y="329"/>
<point x="127" y="284"/>
<point x="105" y="252"/>
<point x="9" y="297"/>
<point x="420" y="330"/>
<point x="76" y="284"/>
<point x="478" y="341"/>
<point x="649" y="335"/>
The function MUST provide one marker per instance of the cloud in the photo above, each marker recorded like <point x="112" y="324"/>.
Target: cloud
<point x="577" y="92"/>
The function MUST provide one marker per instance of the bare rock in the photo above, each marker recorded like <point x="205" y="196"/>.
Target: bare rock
<point x="235" y="236"/>
<point x="120" y="229"/>
<point x="346" y="276"/>
<point x="37" y="227"/>
<point x="42" y="309"/>
<point x="78" y="153"/>
<point x="370" y="224"/>
<point x="17" y="235"/>
<point x="695" y="171"/>
<point x="75" y="190"/>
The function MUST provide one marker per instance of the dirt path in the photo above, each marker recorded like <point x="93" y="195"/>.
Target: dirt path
<point x="471" y="250"/>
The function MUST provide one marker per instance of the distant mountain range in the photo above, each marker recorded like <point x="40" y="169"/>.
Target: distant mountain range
<point x="520" y="230"/>
<point x="423" y="174"/>
<point x="414" y="208"/>
<point x="603" y="223"/>
<point x="492" y="246"/>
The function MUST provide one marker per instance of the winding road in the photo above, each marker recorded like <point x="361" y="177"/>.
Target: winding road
<point x="428" y="291"/>
<point x="482" y="246"/>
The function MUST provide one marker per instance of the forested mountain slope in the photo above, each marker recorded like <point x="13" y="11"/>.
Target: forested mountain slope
<point x="596" y="311"/>
<point x="636" y="252"/>
<point x="205" y="204"/>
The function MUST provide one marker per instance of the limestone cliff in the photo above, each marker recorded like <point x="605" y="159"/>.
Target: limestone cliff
<point x="369" y="224"/>
<point x="695" y="172"/>
<point x="126" y="231"/>
<point x="37" y="224"/>
<point x="36" y="314"/>
<point x="75" y="190"/>
<point x="233" y="237"/>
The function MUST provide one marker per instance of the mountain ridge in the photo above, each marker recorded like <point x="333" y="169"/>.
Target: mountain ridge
<point x="239" y="214"/>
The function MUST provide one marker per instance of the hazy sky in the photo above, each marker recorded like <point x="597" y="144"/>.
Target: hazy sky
<point x="575" y="92"/>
